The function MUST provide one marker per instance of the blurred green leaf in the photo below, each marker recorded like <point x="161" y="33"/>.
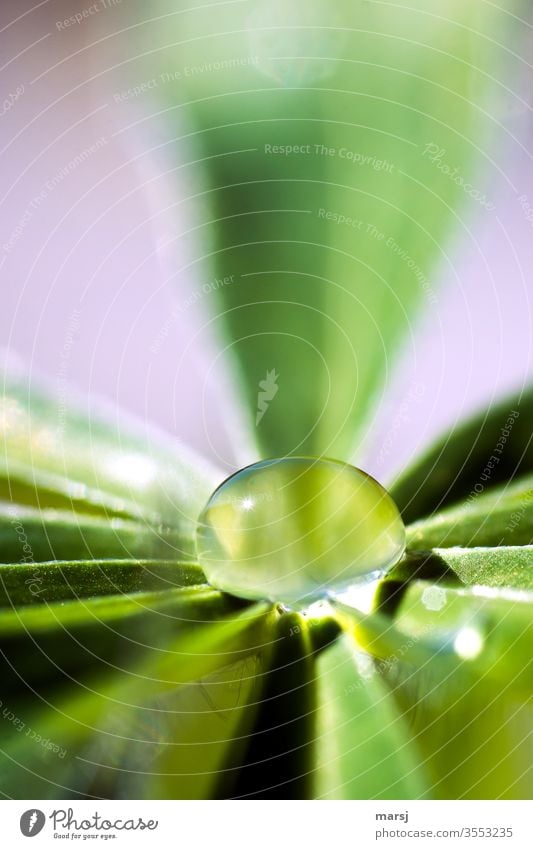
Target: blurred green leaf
<point x="364" y="749"/>
<point x="457" y="663"/>
<point x="494" y="446"/>
<point x="56" y="455"/>
<point x="123" y="673"/>
<point x="377" y="635"/>
<point x="489" y="628"/>
<point x="141" y="711"/>
<point x="328" y="143"/>
<point x="51" y="644"/>
<point x="503" y="516"/>
<point x="278" y="761"/>
<point x="32" y="536"/>
<point x="46" y="644"/>
<point x="65" y="615"/>
<point x="470" y="717"/>
<point x="470" y="725"/>
<point x="189" y="742"/>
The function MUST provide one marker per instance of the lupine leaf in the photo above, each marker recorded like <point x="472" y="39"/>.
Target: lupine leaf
<point x="503" y="516"/>
<point x="115" y="683"/>
<point x="31" y="536"/>
<point x="489" y="628"/>
<point x="278" y="761"/>
<point x="47" y="644"/>
<point x="60" y="579"/>
<point x="364" y="749"/>
<point x="468" y="716"/>
<point x="472" y="730"/>
<point x="94" y="720"/>
<point x="66" y="615"/>
<point x="506" y="566"/>
<point x="192" y="739"/>
<point x="328" y="142"/>
<point x="503" y="566"/>
<point x="56" y="455"/>
<point x="492" y="447"/>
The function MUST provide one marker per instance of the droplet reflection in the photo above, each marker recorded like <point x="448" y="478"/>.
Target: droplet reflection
<point x="296" y="530"/>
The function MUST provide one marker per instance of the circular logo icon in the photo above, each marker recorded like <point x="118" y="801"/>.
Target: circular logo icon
<point x="32" y="822"/>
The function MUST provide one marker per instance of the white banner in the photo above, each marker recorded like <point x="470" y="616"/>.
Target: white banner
<point x="264" y="825"/>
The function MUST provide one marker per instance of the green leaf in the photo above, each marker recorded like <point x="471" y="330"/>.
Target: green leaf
<point x="189" y="742"/>
<point x="503" y="516"/>
<point x="489" y="628"/>
<point x="66" y="615"/>
<point x="47" y="644"/>
<point x="377" y="635"/>
<point x="471" y="729"/>
<point x="140" y="710"/>
<point x="60" y="456"/>
<point x="492" y="447"/>
<point x="278" y="760"/>
<point x="33" y="536"/>
<point x="508" y="566"/>
<point x="328" y="160"/>
<point x="60" y="579"/>
<point x="468" y="714"/>
<point x="364" y="750"/>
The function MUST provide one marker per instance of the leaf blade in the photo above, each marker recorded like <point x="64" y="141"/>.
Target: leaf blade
<point x="34" y="536"/>
<point x="470" y="459"/>
<point x="59" y="580"/>
<point x="363" y="746"/>
<point x="323" y="209"/>
<point x="65" y="458"/>
<point x="501" y="517"/>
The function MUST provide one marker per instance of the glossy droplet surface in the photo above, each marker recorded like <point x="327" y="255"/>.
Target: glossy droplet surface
<point x="294" y="530"/>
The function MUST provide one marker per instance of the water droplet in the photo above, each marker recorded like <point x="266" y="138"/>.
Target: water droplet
<point x="295" y="530"/>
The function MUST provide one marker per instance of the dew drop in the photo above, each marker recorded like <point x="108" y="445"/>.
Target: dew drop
<point x="298" y="529"/>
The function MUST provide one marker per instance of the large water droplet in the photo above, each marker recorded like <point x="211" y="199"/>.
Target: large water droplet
<point x="295" y="530"/>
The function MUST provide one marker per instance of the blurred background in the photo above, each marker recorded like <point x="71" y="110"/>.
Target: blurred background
<point x="101" y="297"/>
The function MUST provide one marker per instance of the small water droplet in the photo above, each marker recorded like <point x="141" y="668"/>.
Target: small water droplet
<point x="295" y="530"/>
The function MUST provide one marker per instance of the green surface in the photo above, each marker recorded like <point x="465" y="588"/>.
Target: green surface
<point x="323" y="201"/>
<point x="124" y="674"/>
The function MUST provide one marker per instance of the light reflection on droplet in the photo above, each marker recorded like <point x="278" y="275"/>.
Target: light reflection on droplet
<point x="360" y="595"/>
